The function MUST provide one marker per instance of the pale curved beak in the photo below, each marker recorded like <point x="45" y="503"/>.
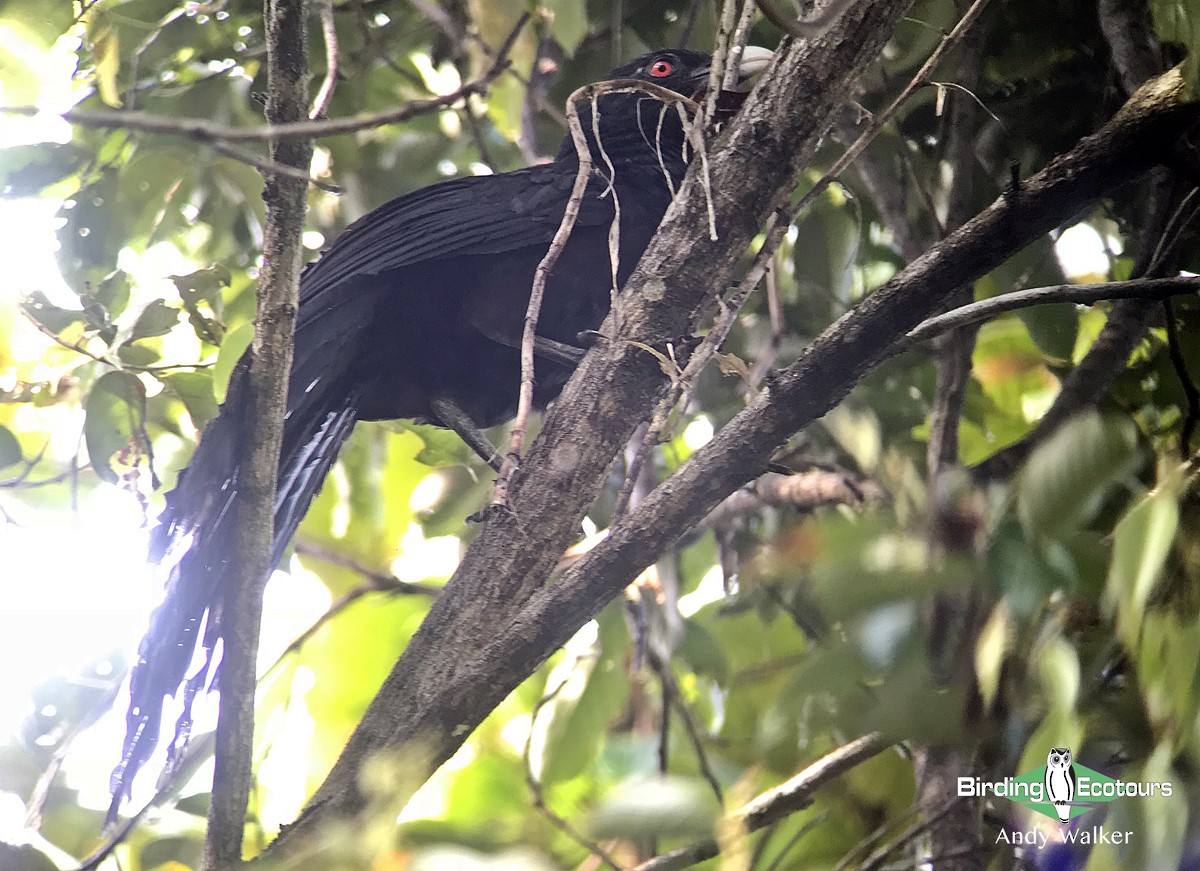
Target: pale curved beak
<point x="755" y="59"/>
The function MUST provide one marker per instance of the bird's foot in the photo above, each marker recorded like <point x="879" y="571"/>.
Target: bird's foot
<point x="590" y="338"/>
<point x="559" y="352"/>
<point x="452" y="416"/>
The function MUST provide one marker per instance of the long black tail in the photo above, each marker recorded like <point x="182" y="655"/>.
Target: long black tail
<point x="194" y="541"/>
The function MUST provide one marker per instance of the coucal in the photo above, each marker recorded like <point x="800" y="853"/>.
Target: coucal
<point x="416" y="311"/>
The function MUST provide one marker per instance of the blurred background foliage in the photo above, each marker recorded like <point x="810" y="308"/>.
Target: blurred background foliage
<point x="767" y="638"/>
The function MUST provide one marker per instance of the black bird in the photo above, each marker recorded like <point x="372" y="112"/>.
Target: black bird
<point x="416" y="311"/>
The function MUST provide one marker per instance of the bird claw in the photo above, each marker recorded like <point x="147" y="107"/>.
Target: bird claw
<point x="590" y="338"/>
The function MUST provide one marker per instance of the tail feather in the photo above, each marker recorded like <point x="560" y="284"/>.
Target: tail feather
<point x="193" y="545"/>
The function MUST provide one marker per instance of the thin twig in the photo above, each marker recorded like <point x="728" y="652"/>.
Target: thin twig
<point x="142" y="47"/>
<point x="741" y="35"/>
<point x="809" y="826"/>
<point x="115" y="364"/>
<point x="876" y="860"/>
<point x="875" y="837"/>
<point x="206" y="131"/>
<point x="375" y="582"/>
<point x="320" y="104"/>
<point x="558" y="243"/>
<point x="720" y="58"/>
<point x="1191" y="395"/>
<point x="767" y="358"/>
<point x="681" y="384"/>
<point x="672" y="697"/>
<point x="272" y="167"/>
<point x="880" y="120"/>
<point x="59" y="340"/>
<point x="379" y="580"/>
<point x="370" y="38"/>
<point x="1140" y="288"/>
<point x="782" y="801"/>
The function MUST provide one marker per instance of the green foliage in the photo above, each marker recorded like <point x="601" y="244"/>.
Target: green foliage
<point x="1083" y="570"/>
<point x="116" y="411"/>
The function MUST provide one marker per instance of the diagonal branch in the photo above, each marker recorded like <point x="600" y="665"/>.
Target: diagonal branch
<point x="784" y="800"/>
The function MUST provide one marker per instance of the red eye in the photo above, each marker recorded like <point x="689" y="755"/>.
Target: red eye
<point x="661" y="68"/>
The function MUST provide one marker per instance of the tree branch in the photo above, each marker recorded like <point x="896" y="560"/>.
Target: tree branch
<point x="205" y="131"/>
<point x="773" y="805"/>
<point x="258" y="450"/>
<point x="1084" y="294"/>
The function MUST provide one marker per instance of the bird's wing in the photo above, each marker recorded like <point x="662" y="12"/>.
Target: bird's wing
<point x="476" y="215"/>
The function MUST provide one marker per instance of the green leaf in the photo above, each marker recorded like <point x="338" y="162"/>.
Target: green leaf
<point x="106" y="59"/>
<point x="1058" y="668"/>
<point x="991" y="651"/>
<point x="156" y="319"/>
<point x="115" y="411"/>
<point x="831" y="233"/>
<point x="49" y="315"/>
<point x="1141" y="543"/>
<point x="113" y="293"/>
<point x="1026" y="570"/>
<point x="442" y="448"/>
<point x="580" y="715"/>
<point x="195" y="391"/>
<point x="10" y="448"/>
<point x="1179" y="22"/>
<point x="27" y="170"/>
<point x="174" y="851"/>
<point x="701" y="651"/>
<point x="196" y="804"/>
<point x="656" y="807"/>
<point x="203" y="284"/>
<point x="569" y="24"/>
<point x="1053" y="327"/>
<point x="138" y="355"/>
<point x="1065" y="479"/>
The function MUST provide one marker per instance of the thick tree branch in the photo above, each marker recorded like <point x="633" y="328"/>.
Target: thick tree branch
<point x="258" y="461"/>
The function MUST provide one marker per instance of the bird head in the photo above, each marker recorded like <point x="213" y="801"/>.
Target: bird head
<point x="686" y="72"/>
<point x="638" y="130"/>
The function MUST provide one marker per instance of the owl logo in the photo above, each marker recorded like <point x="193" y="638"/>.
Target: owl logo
<point x="1060" y="781"/>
